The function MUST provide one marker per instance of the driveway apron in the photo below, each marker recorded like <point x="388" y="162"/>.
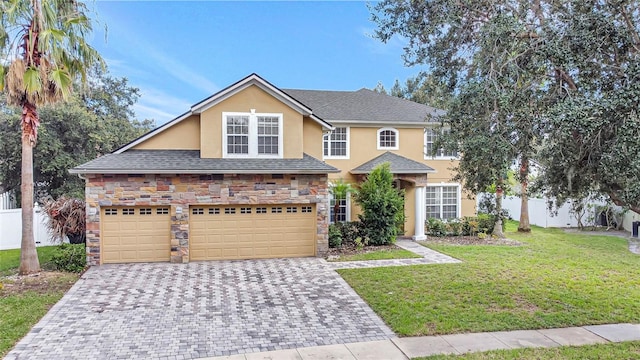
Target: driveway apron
<point x="201" y="309"/>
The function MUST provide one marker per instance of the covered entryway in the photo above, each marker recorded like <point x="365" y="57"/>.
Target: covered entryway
<point x="135" y="234"/>
<point x="252" y="232"/>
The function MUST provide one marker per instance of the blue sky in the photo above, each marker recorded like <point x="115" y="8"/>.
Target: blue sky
<point x="179" y="52"/>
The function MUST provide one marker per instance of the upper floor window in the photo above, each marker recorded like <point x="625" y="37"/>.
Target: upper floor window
<point x="336" y="143"/>
<point x="430" y="139"/>
<point x="388" y="139"/>
<point x="251" y="135"/>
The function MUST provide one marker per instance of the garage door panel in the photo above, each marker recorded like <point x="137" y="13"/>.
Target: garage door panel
<point x="260" y="231"/>
<point x="131" y="234"/>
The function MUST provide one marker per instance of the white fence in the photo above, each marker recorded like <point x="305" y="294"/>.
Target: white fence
<point x="7" y="200"/>
<point x="540" y="215"/>
<point x="11" y="229"/>
<point x="629" y="218"/>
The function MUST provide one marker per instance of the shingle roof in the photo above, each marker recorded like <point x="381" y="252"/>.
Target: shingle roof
<point x="397" y="164"/>
<point x="363" y="105"/>
<point x="190" y="162"/>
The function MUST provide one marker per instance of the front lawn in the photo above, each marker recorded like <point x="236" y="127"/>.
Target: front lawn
<point x="553" y="280"/>
<point x="612" y="351"/>
<point x="25" y="299"/>
<point x="10" y="259"/>
<point x="379" y="255"/>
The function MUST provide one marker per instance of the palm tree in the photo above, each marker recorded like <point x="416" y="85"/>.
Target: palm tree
<point x="339" y="190"/>
<point x="42" y="51"/>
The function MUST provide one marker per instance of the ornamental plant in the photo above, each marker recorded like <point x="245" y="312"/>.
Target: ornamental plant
<point x="382" y="206"/>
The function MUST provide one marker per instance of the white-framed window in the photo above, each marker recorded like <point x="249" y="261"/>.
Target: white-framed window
<point x="388" y="139"/>
<point x="251" y="135"/>
<point x="344" y="209"/>
<point x="336" y="144"/>
<point x="430" y="138"/>
<point x="443" y="201"/>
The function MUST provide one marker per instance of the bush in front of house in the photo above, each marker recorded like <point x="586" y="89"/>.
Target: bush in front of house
<point x="346" y="233"/>
<point x="335" y="236"/>
<point x="382" y="207"/>
<point x="467" y="226"/>
<point x="350" y="230"/>
<point x="70" y="258"/>
<point x="436" y="227"/>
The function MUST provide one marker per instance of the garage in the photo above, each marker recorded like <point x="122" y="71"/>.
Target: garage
<point x="252" y="232"/>
<point x="135" y="234"/>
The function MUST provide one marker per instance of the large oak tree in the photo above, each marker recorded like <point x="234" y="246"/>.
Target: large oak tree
<point x="561" y="76"/>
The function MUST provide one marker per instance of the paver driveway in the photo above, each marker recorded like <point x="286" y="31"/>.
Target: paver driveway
<point x="201" y="309"/>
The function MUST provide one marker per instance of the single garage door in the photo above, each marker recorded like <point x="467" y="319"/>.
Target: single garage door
<point x="135" y="234"/>
<point x="252" y="232"/>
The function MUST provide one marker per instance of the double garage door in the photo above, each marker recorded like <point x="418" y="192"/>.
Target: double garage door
<point x="252" y="232"/>
<point x="143" y="234"/>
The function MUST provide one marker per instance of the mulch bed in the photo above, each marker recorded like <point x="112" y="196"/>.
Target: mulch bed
<point x="471" y="240"/>
<point x="41" y="283"/>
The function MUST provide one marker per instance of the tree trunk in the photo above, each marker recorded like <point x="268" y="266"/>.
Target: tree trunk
<point x="28" y="255"/>
<point x="497" y="228"/>
<point x="524" y="225"/>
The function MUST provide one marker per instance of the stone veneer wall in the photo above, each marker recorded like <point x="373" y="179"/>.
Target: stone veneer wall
<point x="184" y="190"/>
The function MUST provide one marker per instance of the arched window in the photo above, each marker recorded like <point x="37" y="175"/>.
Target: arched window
<point x="388" y="139"/>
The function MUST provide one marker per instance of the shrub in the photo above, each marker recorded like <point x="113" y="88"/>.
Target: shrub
<point x="335" y="236"/>
<point x="361" y="243"/>
<point x="382" y="206"/>
<point x="66" y="218"/>
<point x="350" y="231"/>
<point x="470" y="226"/>
<point x="436" y="227"/>
<point x="70" y="258"/>
<point x="454" y="227"/>
<point x="486" y="222"/>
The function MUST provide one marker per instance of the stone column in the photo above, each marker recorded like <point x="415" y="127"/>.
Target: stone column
<point x="420" y="213"/>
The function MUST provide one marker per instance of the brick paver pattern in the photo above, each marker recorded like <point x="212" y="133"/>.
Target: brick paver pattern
<point x="201" y="309"/>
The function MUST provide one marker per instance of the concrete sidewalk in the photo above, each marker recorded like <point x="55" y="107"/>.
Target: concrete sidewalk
<point x="411" y="347"/>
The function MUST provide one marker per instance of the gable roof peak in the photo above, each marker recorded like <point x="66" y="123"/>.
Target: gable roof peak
<point x="229" y="91"/>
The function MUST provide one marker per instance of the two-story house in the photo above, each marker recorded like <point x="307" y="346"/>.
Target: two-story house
<point x="246" y="173"/>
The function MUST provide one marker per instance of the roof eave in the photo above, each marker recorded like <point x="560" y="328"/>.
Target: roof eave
<point x="401" y="172"/>
<point x="417" y="124"/>
<point x="192" y="171"/>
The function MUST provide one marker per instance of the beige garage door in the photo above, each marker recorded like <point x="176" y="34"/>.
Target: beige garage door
<point x="135" y="234"/>
<point x="252" y="232"/>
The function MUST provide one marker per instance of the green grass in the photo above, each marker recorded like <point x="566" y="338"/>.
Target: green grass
<point x="10" y="259"/>
<point x="379" y="255"/>
<point x="554" y="280"/>
<point x="612" y="351"/>
<point x="19" y="311"/>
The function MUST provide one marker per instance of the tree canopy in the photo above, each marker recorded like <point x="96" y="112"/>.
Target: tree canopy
<point x="555" y="81"/>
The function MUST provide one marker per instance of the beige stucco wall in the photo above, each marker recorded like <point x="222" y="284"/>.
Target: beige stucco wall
<point x="250" y="98"/>
<point x="184" y="135"/>
<point x="312" y="138"/>
<point x="363" y="147"/>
